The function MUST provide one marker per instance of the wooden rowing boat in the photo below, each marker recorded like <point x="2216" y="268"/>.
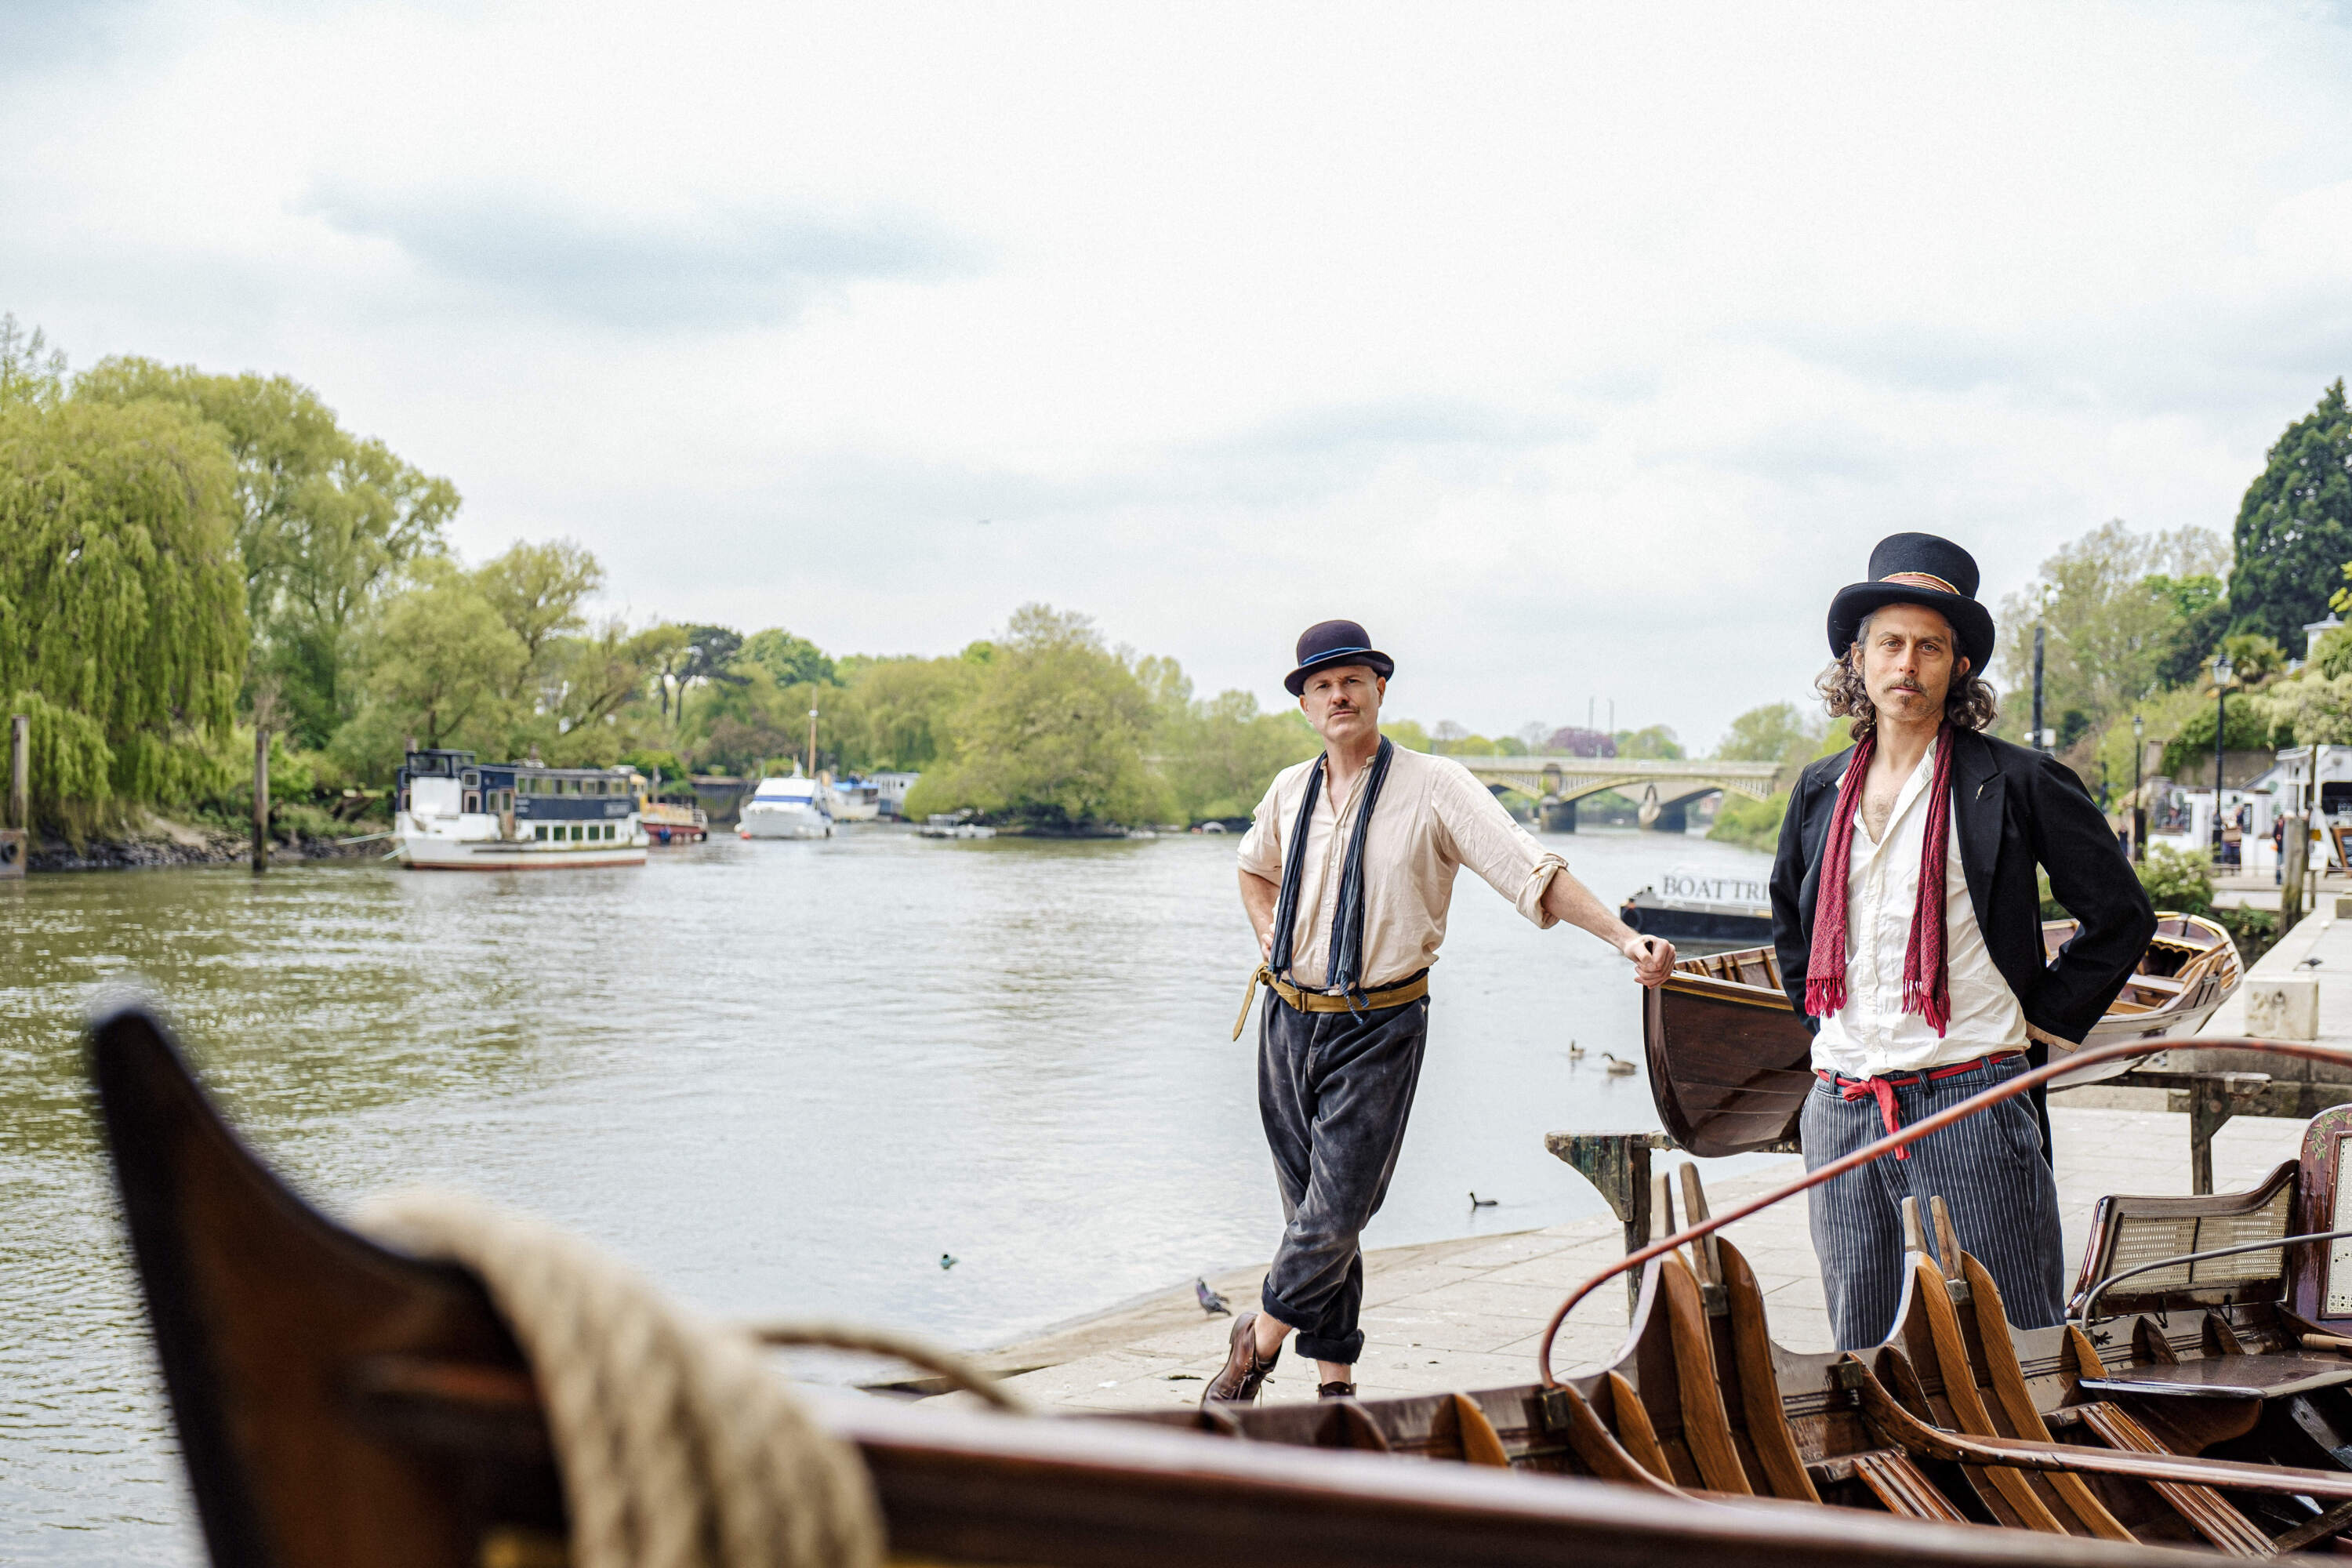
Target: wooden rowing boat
<point x="340" y="1403"/>
<point x="2209" y="1405"/>
<point x="1730" y="1061"/>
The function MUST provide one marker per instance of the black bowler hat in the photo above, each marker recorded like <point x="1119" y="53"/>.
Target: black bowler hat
<point x="1335" y="642"/>
<point x="1917" y="569"/>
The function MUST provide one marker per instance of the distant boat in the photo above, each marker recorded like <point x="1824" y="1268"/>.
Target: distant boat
<point x="856" y="800"/>
<point x="666" y="823"/>
<point x="1685" y="919"/>
<point x="456" y="813"/>
<point x="795" y="807"/>
<point x="942" y="826"/>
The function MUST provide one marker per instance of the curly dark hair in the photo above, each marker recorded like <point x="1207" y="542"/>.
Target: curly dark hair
<point x="1969" y="705"/>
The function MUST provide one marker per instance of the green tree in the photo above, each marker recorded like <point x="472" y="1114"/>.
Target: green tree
<point x="541" y="592"/>
<point x="326" y="521"/>
<point x="2294" y="526"/>
<point x="791" y="660"/>
<point x="2199" y="604"/>
<point x="1656" y="743"/>
<point x="1054" y="732"/>
<point x="442" y="661"/>
<point x="2189" y="751"/>
<point x="120" y="598"/>
<point x="1768" y="734"/>
<point x="2111" y="607"/>
<point x="904" y="708"/>
<point x="2253" y="658"/>
<point x="31" y="373"/>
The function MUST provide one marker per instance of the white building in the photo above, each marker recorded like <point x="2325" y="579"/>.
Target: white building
<point x="891" y="791"/>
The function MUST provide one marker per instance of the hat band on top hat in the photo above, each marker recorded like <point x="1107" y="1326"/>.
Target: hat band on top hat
<point x="1921" y="580"/>
<point x="1334" y="653"/>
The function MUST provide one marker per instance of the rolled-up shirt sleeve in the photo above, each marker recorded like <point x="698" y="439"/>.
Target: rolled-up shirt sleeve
<point x="1261" y="852"/>
<point x="1483" y="837"/>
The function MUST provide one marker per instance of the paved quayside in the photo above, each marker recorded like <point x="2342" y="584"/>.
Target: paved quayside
<point x="1467" y="1313"/>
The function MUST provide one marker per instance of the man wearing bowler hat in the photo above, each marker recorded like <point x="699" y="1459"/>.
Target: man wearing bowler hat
<point x="1909" y="923"/>
<point x="1347" y="873"/>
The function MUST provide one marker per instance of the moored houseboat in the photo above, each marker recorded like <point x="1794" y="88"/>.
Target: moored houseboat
<point x="456" y="814"/>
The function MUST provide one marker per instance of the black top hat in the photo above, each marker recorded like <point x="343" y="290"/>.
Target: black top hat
<point x="1917" y="569"/>
<point x="1335" y="642"/>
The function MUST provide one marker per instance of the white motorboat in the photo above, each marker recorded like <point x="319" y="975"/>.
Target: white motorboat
<point x="458" y="815"/>
<point x="795" y="807"/>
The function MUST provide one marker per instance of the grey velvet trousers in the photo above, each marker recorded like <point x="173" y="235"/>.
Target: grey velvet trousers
<point x="1989" y="1169"/>
<point x="1333" y="1090"/>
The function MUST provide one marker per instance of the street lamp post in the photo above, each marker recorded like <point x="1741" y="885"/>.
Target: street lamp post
<point x="811" y="743"/>
<point x="2222" y="671"/>
<point x="2139" y="806"/>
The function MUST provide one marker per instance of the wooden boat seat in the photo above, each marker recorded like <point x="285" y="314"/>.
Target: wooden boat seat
<point x="2229" y="1377"/>
<point x="1892" y="1477"/>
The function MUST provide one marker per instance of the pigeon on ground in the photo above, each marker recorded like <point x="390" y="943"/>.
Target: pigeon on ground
<point x="1478" y="1203"/>
<point x="946" y="1261"/>
<point x="1210" y="1302"/>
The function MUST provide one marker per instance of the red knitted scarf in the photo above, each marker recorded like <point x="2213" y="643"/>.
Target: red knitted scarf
<point x="1926" y="986"/>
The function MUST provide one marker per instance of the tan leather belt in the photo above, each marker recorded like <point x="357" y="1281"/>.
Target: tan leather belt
<point x="1298" y="1001"/>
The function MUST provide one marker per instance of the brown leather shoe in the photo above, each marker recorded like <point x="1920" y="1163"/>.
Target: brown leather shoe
<point x="1237" y="1381"/>
<point x="1334" y="1390"/>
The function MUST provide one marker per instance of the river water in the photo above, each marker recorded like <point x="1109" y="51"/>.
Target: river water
<point x="781" y="1077"/>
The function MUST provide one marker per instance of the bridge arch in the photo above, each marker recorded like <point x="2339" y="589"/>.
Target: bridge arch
<point x="1664" y="788"/>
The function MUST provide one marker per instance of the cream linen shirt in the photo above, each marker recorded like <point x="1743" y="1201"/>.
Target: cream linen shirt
<point x="1871" y="1035"/>
<point x="1432" y="819"/>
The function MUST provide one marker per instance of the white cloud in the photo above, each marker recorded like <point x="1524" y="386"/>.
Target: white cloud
<point x="1579" y="350"/>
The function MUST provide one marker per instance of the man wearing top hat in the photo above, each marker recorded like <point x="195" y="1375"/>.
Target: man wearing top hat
<point x="1347" y="873"/>
<point x="1908" y="924"/>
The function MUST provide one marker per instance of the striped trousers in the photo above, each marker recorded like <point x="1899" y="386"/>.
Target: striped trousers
<point x="1989" y="1169"/>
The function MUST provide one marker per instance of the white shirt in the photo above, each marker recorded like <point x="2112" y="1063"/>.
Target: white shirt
<point x="1871" y="1035"/>
<point x="1432" y="819"/>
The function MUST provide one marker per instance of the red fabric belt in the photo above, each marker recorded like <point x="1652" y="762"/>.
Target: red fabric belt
<point x="1883" y="1089"/>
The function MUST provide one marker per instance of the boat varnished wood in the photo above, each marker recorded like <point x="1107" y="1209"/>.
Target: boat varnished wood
<point x="1730" y="1060"/>
<point x="339" y="1403"/>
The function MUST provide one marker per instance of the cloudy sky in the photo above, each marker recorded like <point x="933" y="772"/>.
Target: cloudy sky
<point x="1581" y="350"/>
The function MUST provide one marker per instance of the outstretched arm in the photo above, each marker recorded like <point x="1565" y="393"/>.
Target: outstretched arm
<point x="1258" y="900"/>
<point x="1568" y="899"/>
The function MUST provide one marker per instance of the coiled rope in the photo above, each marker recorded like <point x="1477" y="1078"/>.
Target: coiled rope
<point x="679" y="1444"/>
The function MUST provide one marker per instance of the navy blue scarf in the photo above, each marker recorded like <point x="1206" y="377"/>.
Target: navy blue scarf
<point x="1345" y="972"/>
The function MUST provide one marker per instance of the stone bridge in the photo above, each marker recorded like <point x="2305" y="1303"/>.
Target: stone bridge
<point x="1663" y="789"/>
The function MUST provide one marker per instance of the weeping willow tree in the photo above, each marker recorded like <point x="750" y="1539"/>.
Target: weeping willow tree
<point x="122" y="603"/>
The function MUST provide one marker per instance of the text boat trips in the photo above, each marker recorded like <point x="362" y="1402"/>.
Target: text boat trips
<point x="458" y="815"/>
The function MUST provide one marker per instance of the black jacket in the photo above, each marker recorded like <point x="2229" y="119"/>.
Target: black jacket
<point x="2015" y="808"/>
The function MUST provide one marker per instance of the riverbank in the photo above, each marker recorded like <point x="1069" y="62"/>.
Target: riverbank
<point x="158" y="842"/>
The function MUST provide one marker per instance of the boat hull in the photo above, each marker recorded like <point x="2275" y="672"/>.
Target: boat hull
<point x="427" y="854"/>
<point x="1730" y="1061"/>
<point x="785" y="822"/>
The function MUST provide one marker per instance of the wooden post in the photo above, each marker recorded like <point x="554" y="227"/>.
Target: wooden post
<point x="16" y="836"/>
<point x="20" y="773"/>
<point x="2295" y="847"/>
<point x="260" y="797"/>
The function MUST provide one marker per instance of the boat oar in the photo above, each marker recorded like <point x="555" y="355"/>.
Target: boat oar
<point x="2301" y="1050"/>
